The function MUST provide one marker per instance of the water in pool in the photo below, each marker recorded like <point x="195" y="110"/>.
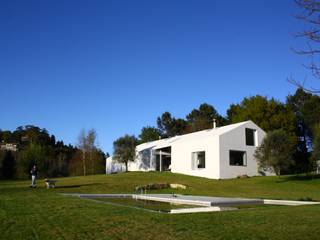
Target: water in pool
<point x="145" y="204"/>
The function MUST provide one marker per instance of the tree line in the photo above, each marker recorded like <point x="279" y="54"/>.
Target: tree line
<point x="53" y="158"/>
<point x="297" y="120"/>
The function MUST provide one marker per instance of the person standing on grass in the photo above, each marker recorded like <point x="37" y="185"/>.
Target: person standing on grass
<point x="34" y="172"/>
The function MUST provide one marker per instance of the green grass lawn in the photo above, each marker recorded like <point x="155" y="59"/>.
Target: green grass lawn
<point x="27" y="213"/>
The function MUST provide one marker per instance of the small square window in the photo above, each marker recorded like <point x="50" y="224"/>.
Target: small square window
<point x="237" y="158"/>
<point x="198" y="160"/>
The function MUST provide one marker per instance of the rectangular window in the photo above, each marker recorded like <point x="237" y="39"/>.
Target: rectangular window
<point x="250" y="137"/>
<point x="198" y="160"/>
<point x="237" y="158"/>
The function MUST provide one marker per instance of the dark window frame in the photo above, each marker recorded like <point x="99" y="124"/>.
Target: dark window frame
<point x="244" y="158"/>
<point x="250" y="137"/>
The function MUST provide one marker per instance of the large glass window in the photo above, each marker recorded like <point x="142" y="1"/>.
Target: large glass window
<point x="237" y="158"/>
<point x="250" y="137"/>
<point x="198" y="160"/>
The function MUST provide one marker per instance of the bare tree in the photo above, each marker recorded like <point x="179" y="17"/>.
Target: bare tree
<point x="83" y="145"/>
<point x="91" y="138"/>
<point x="310" y="14"/>
<point x="86" y="143"/>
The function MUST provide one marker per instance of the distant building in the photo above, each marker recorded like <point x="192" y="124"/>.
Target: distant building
<point x="218" y="153"/>
<point x="112" y="166"/>
<point x="318" y="166"/>
<point x="9" y="147"/>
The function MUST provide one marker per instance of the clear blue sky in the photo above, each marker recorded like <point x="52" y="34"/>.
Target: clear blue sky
<point x="117" y="65"/>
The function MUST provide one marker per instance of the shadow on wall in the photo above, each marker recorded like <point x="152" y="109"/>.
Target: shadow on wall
<point x="118" y="167"/>
<point x="145" y="159"/>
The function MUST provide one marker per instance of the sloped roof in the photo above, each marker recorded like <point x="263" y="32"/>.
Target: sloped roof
<point x="166" y="142"/>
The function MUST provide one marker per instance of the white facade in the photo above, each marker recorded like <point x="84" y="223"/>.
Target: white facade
<point x="219" y="153"/>
<point x="113" y="166"/>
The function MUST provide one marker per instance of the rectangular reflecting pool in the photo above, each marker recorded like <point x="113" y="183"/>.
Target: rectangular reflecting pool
<point x="174" y="203"/>
<point x="154" y="205"/>
<point x="157" y="206"/>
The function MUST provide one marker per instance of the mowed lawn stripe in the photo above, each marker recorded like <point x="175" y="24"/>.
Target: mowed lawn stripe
<point x="46" y="214"/>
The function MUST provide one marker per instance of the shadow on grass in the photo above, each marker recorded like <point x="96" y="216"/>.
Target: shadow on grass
<point x="303" y="177"/>
<point x="79" y="185"/>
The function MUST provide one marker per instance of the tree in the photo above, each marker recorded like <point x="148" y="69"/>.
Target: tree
<point x="202" y="118"/>
<point x="83" y="146"/>
<point x="5" y="136"/>
<point x="297" y="103"/>
<point x="268" y="114"/>
<point x="306" y="107"/>
<point x="100" y="161"/>
<point x="125" y="149"/>
<point x="170" y="126"/>
<point x="62" y="161"/>
<point x="30" y="155"/>
<point x="197" y="120"/>
<point x="90" y="153"/>
<point x="164" y="123"/>
<point x="310" y="15"/>
<point x="54" y="158"/>
<point x="178" y="127"/>
<point x="91" y="138"/>
<point x="74" y="168"/>
<point x="149" y="134"/>
<point x="316" y="150"/>
<point x="8" y="167"/>
<point x="316" y="146"/>
<point x="311" y="112"/>
<point x="52" y="140"/>
<point x="275" y="151"/>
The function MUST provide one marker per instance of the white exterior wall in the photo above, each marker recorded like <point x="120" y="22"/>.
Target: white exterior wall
<point x="181" y="157"/>
<point x="114" y="166"/>
<point x="144" y="161"/>
<point x="236" y="140"/>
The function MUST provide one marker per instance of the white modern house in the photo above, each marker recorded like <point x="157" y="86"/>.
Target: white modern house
<point x="217" y="153"/>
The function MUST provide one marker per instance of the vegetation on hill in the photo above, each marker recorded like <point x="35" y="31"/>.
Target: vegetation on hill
<point x="53" y="158"/>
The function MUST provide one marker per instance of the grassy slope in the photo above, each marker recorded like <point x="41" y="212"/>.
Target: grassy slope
<point x="43" y="214"/>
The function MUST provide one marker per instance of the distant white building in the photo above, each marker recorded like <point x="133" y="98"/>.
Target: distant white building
<point x="112" y="166"/>
<point x="9" y="147"/>
<point x="218" y="153"/>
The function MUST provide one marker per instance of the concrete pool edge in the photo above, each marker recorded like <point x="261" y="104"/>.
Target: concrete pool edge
<point x="197" y="200"/>
<point x="200" y="209"/>
<point x="288" y="202"/>
<point x="204" y="201"/>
